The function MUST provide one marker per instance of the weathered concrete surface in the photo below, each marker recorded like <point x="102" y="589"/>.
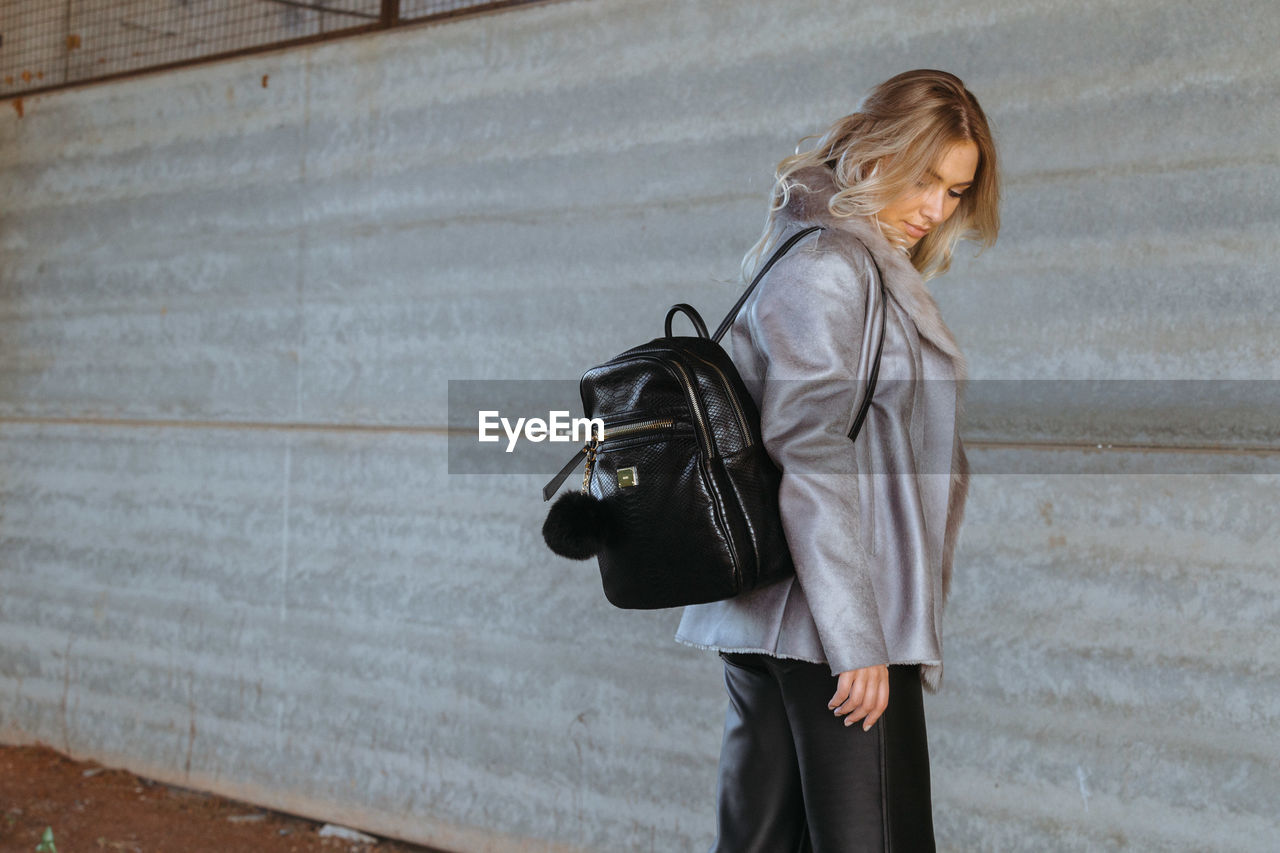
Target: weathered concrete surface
<point x="232" y="556"/>
<point x="1112" y="664"/>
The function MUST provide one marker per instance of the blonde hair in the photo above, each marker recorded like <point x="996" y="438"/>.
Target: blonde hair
<point x="902" y="128"/>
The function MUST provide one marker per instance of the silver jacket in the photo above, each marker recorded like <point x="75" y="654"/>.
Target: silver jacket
<point x="871" y="524"/>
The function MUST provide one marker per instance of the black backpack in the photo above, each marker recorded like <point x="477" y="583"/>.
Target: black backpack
<point x="679" y="500"/>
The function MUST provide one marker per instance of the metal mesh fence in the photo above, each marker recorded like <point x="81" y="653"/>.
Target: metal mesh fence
<point x="417" y="9"/>
<point x="46" y="44"/>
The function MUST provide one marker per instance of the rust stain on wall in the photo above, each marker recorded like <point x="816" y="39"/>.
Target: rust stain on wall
<point x="17" y="106"/>
<point x="264" y="80"/>
<point x="73" y="41"/>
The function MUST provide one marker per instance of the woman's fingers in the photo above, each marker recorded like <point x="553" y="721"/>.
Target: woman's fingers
<point x="856" y="694"/>
<point x="881" y="704"/>
<point x="866" y="697"/>
<point x="844" y="682"/>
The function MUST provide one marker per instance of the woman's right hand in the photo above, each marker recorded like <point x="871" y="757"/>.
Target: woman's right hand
<point x="861" y="693"/>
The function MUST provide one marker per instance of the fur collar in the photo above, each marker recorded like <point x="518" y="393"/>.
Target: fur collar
<point x="808" y="204"/>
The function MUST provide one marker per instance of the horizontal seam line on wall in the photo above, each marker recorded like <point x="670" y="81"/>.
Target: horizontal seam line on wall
<point x="276" y="426"/>
<point x="1120" y="447"/>
<point x="297" y="426"/>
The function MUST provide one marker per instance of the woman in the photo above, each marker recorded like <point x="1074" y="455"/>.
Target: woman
<point x="871" y="524"/>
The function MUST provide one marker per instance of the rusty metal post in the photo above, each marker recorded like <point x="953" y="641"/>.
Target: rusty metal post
<point x="390" y="13"/>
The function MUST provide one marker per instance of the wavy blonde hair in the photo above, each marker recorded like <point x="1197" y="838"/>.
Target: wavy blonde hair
<point x="903" y="127"/>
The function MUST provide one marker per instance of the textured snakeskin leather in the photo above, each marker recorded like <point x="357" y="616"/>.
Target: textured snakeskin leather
<point x="701" y="522"/>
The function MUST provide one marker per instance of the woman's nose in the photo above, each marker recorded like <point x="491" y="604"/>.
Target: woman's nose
<point x="932" y="207"/>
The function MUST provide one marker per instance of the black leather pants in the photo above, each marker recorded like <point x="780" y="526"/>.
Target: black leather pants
<point x="794" y="778"/>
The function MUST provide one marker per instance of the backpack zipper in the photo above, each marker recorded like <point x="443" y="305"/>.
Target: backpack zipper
<point x="733" y="398"/>
<point x="623" y="430"/>
<point x="695" y="405"/>
<point x="593" y="446"/>
<point x="704" y="433"/>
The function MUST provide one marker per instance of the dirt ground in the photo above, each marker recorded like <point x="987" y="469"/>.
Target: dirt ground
<point x="90" y="808"/>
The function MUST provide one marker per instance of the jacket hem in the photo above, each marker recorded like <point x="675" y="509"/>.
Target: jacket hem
<point x="746" y="650"/>
<point x="930" y="670"/>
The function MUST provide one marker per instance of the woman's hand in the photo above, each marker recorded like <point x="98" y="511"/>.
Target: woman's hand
<point x="861" y="693"/>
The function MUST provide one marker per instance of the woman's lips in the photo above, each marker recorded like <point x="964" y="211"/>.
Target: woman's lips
<point x="914" y="232"/>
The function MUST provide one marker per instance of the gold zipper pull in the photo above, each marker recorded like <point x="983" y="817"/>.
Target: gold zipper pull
<point x="590" y="447"/>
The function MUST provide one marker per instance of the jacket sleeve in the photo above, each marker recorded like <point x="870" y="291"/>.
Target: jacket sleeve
<point x="808" y="326"/>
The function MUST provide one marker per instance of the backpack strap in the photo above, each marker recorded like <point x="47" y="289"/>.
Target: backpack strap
<point x="875" y="365"/>
<point x="746" y="294"/>
<point x="549" y="490"/>
<point x="742" y="300"/>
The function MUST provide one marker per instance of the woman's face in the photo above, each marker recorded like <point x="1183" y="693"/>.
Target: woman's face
<point x="934" y="199"/>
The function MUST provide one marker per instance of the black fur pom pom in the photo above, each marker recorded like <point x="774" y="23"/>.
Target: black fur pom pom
<point x="577" y="526"/>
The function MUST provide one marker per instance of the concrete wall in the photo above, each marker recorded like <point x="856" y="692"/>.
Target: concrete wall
<point x="231" y="553"/>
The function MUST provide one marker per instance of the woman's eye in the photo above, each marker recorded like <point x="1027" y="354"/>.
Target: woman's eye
<point x="955" y="194"/>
